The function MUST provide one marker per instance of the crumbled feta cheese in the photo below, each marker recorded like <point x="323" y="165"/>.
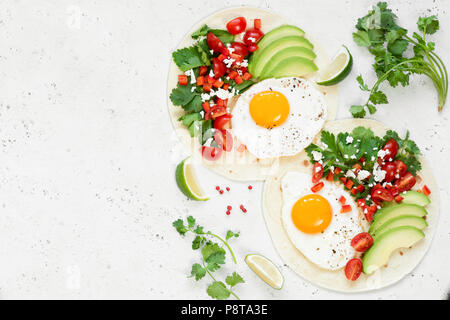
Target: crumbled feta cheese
<point x="205" y="97"/>
<point x="317" y="156"/>
<point x="190" y="73"/>
<point x="363" y="175"/>
<point x="383" y="153"/>
<point x="350" y="174"/>
<point x="251" y="39"/>
<point x="378" y="173"/>
<point x="349" y="139"/>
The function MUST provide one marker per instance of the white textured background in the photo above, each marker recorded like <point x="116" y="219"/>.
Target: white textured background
<point x="87" y="152"/>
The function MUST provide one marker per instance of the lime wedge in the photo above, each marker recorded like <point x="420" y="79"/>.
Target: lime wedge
<point x="187" y="181"/>
<point x="266" y="270"/>
<point x="338" y="69"/>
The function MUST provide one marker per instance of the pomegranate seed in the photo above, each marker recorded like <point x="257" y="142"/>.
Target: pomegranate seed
<point x="217" y="188"/>
<point x="244" y="210"/>
<point x="250" y="187"/>
<point x="221" y="191"/>
<point x="228" y="213"/>
<point x="228" y="189"/>
<point x="229" y="208"/>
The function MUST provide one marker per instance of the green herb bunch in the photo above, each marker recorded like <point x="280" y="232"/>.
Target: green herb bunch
<point x="213" y="258"/>
<point x="388" y="43"/>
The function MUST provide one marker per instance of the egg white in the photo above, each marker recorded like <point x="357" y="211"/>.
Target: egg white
<point x="307" y="116"/>
<point x="332" y="248"/>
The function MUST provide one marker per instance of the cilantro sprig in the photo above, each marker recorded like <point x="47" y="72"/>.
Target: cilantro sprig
<point x="388" y="43"/>
<point x="212" y="258"/>
<point x="346" y="149"/>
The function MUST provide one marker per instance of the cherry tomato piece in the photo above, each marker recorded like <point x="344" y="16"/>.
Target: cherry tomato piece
<point x="402" y="168"/>
<point x="219" y="68"/>
<point x="240" y="49"/>
<point x="353" y="269"/>
<point x="392" y="148"/>
<point x="252" y="36"/>
<point x="405" y="183"/>
<point x="215" y="44"/>
<point x="211" y="153"/>
<point x="224" y="140"/>
<point x="362" y="242"/>
<point x="391" y="171"/>
<point x="317" y="172"/>
<point x="237" y="25"/>
<point x="220" y="122"/>
<point x="318" y="187"/>
<point x="380" y="194"/>
<point x="370" y="213"/>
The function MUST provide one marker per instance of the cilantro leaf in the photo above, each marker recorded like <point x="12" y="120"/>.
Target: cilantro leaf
<point x="358" y="111"/>
<point x="362" y="85"/>
<point x="361" y="38"/>
<point x="218" y="290"/>
<point x="182" y="95"/>
<point x="378" y="97"/>
<point x="231" y="234"/>
<point x="428" y="24"/>
<point x="187" y="58"/>
<point x="234" y="279"/>
<point x="198" y="272"/>
<point x="180" y="227"/>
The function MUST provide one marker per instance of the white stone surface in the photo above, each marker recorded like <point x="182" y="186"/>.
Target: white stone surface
<point x="87" y="152"/>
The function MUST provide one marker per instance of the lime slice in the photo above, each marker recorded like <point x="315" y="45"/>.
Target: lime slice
<point x="266" y="270"/>
<point x="187" y="181"/>
<point x="338" y="69"/>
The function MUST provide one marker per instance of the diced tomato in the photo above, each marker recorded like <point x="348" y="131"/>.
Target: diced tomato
<point x="232" y="75"/>
<point x="203" y="70"/>
<point x="402" y="168"/>
<point x="215" y="44"/>
<point x="380" y="194"/>
<point x="349" y="184"/>
<point x="221" y="57"/>
<point x="200" y="81"/>
<point x="224" y="139"/>
<point x="237" y="25"/>
<point x="399" y="199"/>
<point x="183" y="80"/>
<point x="208" y="115"/>
<point x="361" y="188"/>
<point x="240" y="49"/>
<point x="252" y="36"/>
<point x="357" y="168"/>
<point x="362" y="160"/>
<point x="207" y="87"/>
<point x="218" y="83"/>
<point x="346" y="208"/>
<point x="391" y="171"/>
<point x="405" y="183"/>
<point x="257" y="24"/>
<point x="211" y="153"/>
<point x="354" y="191"/>
<point x="237" y="57"/>
<point x="206" y="106"/>
<point x="393" y="190"/>
<point x="330" y="176"/>
<point x="353" y="269"/>
<point x="247" y="76"/>
<point x="318" y="187"/>
<point x="426" y="191"/>
<point x="226" y="86"/>
<point x="252" y="48"/>
<point x="220" y="122"/>
<point x="210" y="80"/>
<point x="342" y="200"/>
<point x="392" y="149"/>
<point x="337" y="170"/>
<point x="362" y="242"/>
<point x="238" y="80"/>
<point x="343" y="179"/>
<point x="317" y="172"/>
<point x="361" y="203"/>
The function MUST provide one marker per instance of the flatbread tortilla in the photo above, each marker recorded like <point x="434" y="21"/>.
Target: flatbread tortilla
<point x="241" y="166"/>
<point x="399" y="265"/>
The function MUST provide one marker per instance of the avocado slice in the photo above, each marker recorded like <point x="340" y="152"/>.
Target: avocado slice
<point x="414" y="197"/>
<point x="292" y="67"/>
<point x="394" y="211"/>
<point x="277" y="33"/>
<point x="257" y="63"/>
<point x="411" y="221"/>
<point x="386" y="244"/>
<point x="300" y="52"/>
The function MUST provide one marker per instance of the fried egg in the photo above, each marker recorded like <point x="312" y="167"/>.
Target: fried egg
<point x="279" y="117"/>
<point x="314" y="222"/>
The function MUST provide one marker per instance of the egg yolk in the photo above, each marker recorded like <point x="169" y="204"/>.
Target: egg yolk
<point x="269" y="109"/>
<point x="312" y="214"/>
